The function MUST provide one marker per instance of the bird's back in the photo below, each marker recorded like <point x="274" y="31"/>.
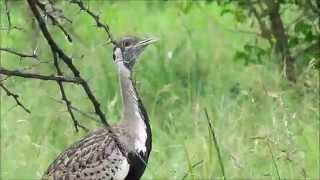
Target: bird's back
<point x="96" y="156"/>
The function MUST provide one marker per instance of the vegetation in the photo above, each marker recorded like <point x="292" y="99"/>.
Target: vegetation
<point x="266" y="126"/>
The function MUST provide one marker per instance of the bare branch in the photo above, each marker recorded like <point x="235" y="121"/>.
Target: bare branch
<point x="4" y="79"/>
<point x="54" y="20"/>
<point x="15" y="97"/>
<point x="7" y="11"/>
<point x="22" y="55"/>
<point x="64" y="96"/>
<point x="39" y="76"/>
<point x="51" y="42"/>
<point x="8" y="14"/>
<point x="12" y="27"/>
<point x="68" y="61"/>
<point x="97" y="20"/>
<point x="32" y="66"/>
<point x="86" y="114"/>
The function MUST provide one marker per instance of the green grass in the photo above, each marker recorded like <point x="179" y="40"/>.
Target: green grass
<point x="253" y="110"/>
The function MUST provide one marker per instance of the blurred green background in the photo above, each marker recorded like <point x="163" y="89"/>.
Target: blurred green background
<point x="263" y="123"/>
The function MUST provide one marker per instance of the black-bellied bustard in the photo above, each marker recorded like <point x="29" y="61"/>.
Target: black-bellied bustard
<point x="98" y="156"/>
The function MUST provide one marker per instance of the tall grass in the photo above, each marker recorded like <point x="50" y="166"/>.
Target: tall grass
<point x="216" y="145"/>
<point x="189" y="69"/>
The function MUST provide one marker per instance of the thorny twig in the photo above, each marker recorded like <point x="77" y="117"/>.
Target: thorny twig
<point x="39" y="76"/>
<point x="15" y="97"/>
<point x="28" y="68"/>
<point x="86" y="114"/>
<point x="97" y="20"/>
<point x="68" y="61"/>
<point x="64" y="96"/>
<point x="22" y="55"/>
<point x="34" y="5"/>
<point x="7" y="13"/>
<point x="4" y="79"/>
<point x="54" y="20"/>
<point x="12" y="27"/>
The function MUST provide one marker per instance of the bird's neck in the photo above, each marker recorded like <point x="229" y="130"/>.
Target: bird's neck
<point x="129" y="96"/>
<point x="134" y="116"/>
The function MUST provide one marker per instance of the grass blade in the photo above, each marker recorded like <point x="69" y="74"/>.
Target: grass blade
<point x="192" y="167"/>
<point x="215" y="144"/>
<point x="273" y="160"/>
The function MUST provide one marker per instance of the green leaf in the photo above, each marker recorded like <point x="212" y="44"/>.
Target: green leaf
<point x="309" y="36"/>
<point x="302" y="27"/>
<point x="293" y="41"/>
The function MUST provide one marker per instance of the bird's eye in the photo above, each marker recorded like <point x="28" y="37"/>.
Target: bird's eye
<point x="126" y="43"/>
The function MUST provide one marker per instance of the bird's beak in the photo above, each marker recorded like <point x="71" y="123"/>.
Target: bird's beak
<point x="145" y="42"/>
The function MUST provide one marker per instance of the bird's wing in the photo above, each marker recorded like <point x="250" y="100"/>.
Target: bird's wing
<point x="93" y="157"/>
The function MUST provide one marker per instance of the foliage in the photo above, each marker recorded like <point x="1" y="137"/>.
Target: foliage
<point x="301" y="26"/>
<point x="260" y="120"/>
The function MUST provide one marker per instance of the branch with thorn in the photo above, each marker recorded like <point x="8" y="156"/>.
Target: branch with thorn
<point x="39" y="76"/>
<point x="15" y="97"/>
<point x="63" y="93"/>
<point x="96" y="18"/>
<point x="67" y="60"/>
<point x="7" y="11"/>
<point x="53" y="18"/>
<point x="59" y="55"/>
<point x="22" y="55"/>
<point x="83" y="113"/>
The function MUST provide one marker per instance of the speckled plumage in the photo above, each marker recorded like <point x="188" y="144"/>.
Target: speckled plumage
<point x="94" y="157"/>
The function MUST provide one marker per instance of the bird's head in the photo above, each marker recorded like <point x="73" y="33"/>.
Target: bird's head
<point x="127" y="50"/>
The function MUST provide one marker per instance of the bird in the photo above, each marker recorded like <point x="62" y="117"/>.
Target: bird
<point x="122" y="150"/>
